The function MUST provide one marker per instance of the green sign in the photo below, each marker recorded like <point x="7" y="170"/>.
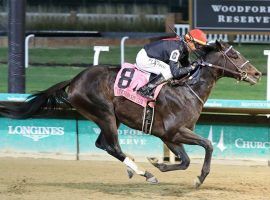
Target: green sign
<point x="210" y="103"/>
<point x="38" y="136"/>
<point x="219" y="103"/>
<point x="59" y="136"/>
<point x="245" y="141"/>
<point x="13" y="97"/>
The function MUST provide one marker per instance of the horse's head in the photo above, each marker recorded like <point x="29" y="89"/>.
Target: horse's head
<point x="230" y="63"/>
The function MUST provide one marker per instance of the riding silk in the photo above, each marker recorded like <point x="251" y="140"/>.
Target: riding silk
<point x="172" y="52"/>
<point x="129" y="79"/>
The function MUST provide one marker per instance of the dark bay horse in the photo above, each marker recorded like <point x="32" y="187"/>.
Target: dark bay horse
<point x="177" y="107"/>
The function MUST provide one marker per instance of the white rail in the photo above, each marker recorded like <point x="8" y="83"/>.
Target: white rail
<point x="182" y="29"/>
<point x="123" y="49"/>
<point x="34" y="16"/>
<point x="267" y="53"/>
<point x="97" y="50"/>
<point x="26" y="42"/>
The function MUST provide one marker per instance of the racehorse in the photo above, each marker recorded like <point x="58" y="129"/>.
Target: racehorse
<point x="177" y="107"/>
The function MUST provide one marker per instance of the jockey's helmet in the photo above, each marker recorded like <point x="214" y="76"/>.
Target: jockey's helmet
<point x="197" y="35"/>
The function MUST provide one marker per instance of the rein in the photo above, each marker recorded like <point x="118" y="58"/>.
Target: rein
<point x="242" y="74"/>
<point x="199" y="98"/>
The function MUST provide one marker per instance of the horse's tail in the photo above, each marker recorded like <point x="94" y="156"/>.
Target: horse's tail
<point x="35" y="103"/>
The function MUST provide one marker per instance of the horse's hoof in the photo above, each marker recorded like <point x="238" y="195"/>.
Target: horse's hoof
<point x="150" y="178"/>
<point x="152" y="160"/>
<point x="130" y="172"/>
<point x="197" y="183"/>
<point x="132" y="158"/>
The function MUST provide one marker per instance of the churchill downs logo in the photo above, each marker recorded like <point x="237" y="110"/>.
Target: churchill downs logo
<point x="220" y="144"/>
<point x="36" y="132"/>
<point x="239" y="143"/>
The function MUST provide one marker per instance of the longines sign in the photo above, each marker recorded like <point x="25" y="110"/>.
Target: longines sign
<point x="36" y="132"/>
<point x="231" y="15"/>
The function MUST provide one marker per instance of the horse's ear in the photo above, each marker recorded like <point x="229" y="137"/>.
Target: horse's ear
<point x="218" y="45"/>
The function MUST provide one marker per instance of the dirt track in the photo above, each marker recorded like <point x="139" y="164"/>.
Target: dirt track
<point x="40" y="179"/>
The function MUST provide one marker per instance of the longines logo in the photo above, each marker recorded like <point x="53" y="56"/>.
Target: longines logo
<point x="36" y="132"/>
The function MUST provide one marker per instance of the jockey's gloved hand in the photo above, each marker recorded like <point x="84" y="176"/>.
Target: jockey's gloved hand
<point x="203" y="63"/>
<point x="194" y="65"/>
<point x="182" y="71"/>
<point x="199" y="63"/>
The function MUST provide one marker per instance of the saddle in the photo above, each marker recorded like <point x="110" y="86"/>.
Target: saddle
<point x="129" y="79"/>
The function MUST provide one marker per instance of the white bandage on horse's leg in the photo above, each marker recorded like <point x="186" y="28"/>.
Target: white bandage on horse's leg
<point x="133" y="166"/>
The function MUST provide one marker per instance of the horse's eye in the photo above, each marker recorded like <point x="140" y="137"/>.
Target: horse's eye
<point x="233" y="55"/>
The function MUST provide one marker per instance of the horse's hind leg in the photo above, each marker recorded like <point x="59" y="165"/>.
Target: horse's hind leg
<point x="101" y="142"/>
<point x="180" y="152"/>
<point x="101" y="111"/>
<point x="108" y="138"/>
<point x="110" y="143"/>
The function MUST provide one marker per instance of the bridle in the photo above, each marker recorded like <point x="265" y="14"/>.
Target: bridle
<point x="242" y="74"/>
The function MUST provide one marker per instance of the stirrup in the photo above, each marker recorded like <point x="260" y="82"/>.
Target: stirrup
<point x="149" y="96"/>
<point x="147" y="92"/>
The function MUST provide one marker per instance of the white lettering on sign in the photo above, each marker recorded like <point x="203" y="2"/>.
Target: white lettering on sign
<point x="237" y="14"/>
<point x="243" y="19"/>
<point x="243" y="144"/>
<point x="122" y="131"/>
<point x="36" y="132"/>
<point x="132" y="141"/>
<point x="240" y="9"/>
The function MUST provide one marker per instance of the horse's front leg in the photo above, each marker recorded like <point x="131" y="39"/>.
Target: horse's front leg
<point x="186" y="136"/>
<point x="180" y="152"/>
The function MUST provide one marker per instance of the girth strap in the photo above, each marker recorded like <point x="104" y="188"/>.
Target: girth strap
<point x="148" y="118"/>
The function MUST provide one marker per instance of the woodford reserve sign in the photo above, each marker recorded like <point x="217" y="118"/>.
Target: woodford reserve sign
<point x="231" y="15"/>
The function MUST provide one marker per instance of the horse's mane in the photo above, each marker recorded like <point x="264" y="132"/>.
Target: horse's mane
<point x="205" y="50"/>
<point x="201" y="53"/>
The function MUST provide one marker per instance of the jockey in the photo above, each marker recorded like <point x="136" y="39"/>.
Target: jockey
<point x="168" y="58"/>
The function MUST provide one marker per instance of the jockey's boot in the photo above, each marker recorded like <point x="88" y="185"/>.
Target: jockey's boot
<point x="148" y="89"/>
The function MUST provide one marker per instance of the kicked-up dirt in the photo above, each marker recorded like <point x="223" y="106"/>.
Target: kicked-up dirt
<point x="48" y="179"/>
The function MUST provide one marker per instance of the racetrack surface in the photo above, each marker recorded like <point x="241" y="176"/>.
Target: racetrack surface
<point x="48" y="179"/>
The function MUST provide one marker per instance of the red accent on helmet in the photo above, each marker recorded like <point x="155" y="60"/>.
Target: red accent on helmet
<point x="197" y="35"/>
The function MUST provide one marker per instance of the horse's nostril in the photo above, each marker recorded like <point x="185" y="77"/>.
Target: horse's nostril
<point x="258" y="74"/>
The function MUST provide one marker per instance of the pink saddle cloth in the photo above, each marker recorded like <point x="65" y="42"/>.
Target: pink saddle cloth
<point x="129" y="79"/>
